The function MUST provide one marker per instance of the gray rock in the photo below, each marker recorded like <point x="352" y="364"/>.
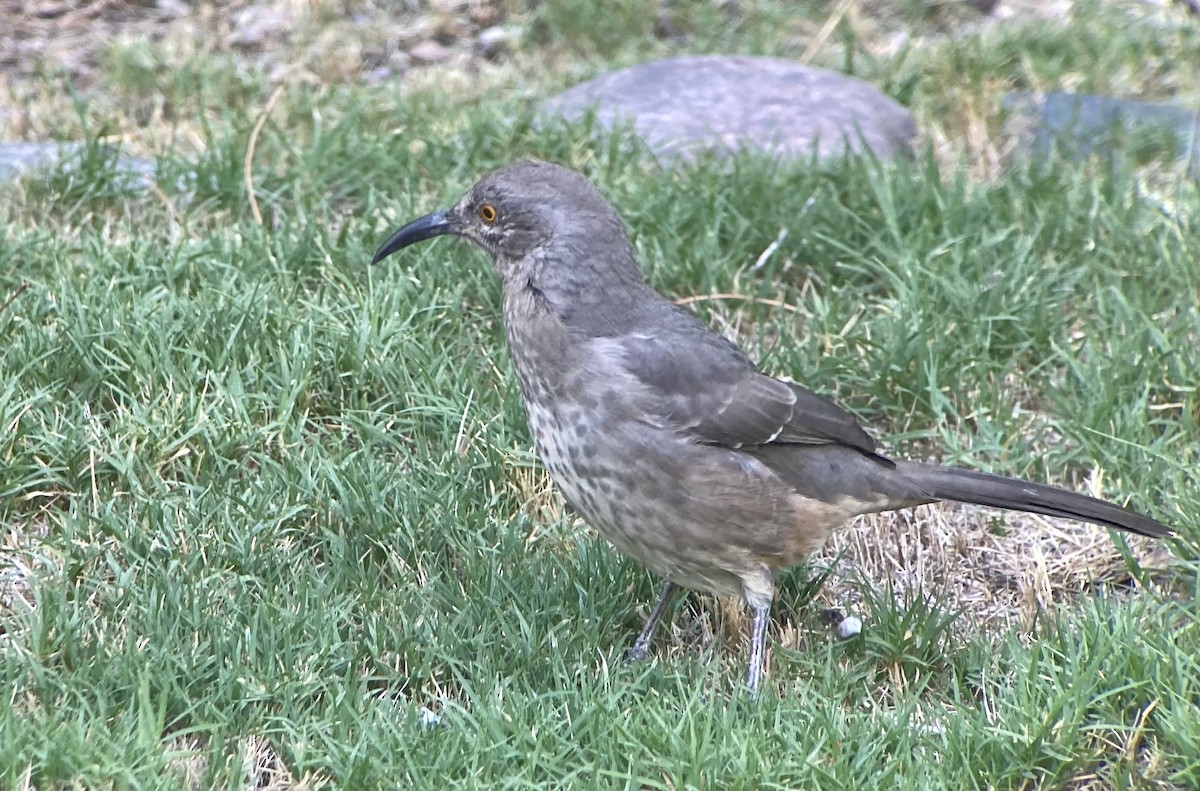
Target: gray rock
<point x="492" y="41"/>
<point x="429" y="52"/>
<point x="681" y="106"/>
<point x="17" y="159"/>
<point x="173" y="9"/>
<point x="377" y="75"/>
<point x="1081" y="124"/>
<point x="255" y="24"/>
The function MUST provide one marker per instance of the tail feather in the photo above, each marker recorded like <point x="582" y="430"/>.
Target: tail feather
<point x="978" y="488"/>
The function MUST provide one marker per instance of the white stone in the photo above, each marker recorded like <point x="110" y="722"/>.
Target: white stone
<point x="851" y="626"/>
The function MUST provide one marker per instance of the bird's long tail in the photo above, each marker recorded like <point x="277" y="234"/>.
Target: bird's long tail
<point x="978" y="488"/>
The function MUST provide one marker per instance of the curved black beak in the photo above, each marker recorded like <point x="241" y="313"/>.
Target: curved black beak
<point x="418" y="230"/>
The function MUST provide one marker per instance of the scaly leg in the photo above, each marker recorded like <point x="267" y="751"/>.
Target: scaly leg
<point x="758" y="644"/>
<point x="642" y="643"/>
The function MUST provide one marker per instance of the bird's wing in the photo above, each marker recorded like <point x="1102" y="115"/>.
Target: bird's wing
<point x="702" y="384"/>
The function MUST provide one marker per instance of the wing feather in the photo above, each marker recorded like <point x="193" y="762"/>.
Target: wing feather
<point x="703" y="384"/>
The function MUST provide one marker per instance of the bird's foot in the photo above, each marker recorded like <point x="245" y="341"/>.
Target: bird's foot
<point x="637" y="652"/>
<point x="642" y="644"/>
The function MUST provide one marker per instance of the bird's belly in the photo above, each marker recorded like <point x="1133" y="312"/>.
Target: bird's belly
<point x="703" y="517"/>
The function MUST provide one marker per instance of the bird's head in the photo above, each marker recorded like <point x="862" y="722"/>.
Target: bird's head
<point x="536" y="221"/>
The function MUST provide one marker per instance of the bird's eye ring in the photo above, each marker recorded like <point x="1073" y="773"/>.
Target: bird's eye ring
<point x="487" y="213"/>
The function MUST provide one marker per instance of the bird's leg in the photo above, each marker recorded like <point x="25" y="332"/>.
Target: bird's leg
<point x="758" y="589"/>
<point x="758" y="644"/>
<point x="642" y="643"/>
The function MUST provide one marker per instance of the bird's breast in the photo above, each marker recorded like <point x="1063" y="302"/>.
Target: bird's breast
<point x="701" y="515"/>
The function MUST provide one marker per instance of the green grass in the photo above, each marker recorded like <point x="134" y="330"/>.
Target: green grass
<point x="258" y="495"/>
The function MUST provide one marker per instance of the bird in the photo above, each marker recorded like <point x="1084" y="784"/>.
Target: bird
<point x="662" y="433"/>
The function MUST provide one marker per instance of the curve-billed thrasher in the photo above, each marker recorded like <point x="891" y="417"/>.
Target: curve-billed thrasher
<point x="662" y="433"/>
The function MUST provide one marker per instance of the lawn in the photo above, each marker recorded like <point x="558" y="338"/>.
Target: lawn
<point x="272" y="518"/>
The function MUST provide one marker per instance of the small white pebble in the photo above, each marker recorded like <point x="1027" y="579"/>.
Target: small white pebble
<point x="429" y="718"/>
<point x="851" y="626"/>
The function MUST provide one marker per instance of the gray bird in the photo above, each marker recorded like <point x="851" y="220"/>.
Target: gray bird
<point x="664" y="435"/>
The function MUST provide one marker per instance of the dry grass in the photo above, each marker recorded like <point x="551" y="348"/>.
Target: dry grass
<point x="54" y="51"/>
<point x="1000" y="569"/>
<point x="22" y="559"/>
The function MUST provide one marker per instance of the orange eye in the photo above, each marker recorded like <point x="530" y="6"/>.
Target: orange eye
<point x="487" y="213"/>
